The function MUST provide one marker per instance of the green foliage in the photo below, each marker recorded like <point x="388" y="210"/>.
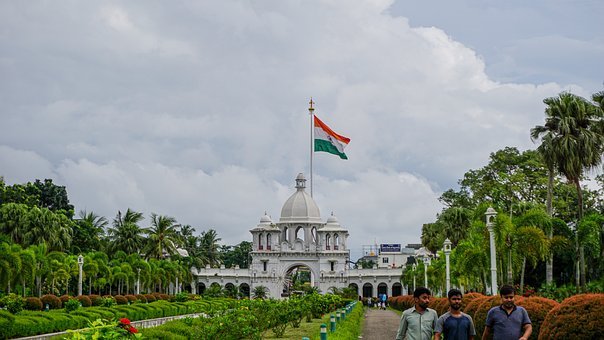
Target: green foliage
<point x="13" y="303"/>
<point x="71" y="305"/>
<point x="182" y="297"/>
<point x="108" y="302"/>
<point x="52" y="301"/>
<point x="100" y="329"/>
<point x="33" y="303"/>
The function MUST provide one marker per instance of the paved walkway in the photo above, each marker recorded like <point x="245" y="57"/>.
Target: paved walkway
<point x="380" y="324"/>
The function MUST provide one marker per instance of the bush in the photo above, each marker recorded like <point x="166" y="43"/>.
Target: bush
<point x="108" y="301"/>
<point x="467" y="298"/>
<point x="141" y="298"/>
<point x="33" y="303"/>
<point x="13" y="303"/>
<point x="52" y="301"/>
<point x="71" y="305"/>
<point x="181" y="297"/>
<point x="65" y="298"/>
<point x="578" y="317"/>
<point x="84" y="300"/>
<point x="150" y="297"/>
<point x="96" y="300"/>
<point x="537" y="308"/>
<point x="121" y="300"/>
<point x="130" y="298"/>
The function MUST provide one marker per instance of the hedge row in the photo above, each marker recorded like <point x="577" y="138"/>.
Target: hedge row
<point x="579" y="317"/>
<point x="28" y="323"/>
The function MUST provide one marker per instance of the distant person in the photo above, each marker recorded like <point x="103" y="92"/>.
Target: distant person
<point x="384" y="298"/>
<point x="454" y="324"/>
<point x="508" y="321"/>
<point x="418" y="322"/>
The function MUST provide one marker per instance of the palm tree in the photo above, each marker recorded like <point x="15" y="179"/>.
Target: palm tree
<point x="208" y="242"/>
<point x="456" y="223"/>
<point x="10" y="265"/>
<point x="28" y="267"/>
<point x="13" y="219"/>
<point x="577" y="140"/>
<point x="125" y="234"/>
<point x="163" y="237"/>
<point x="260" y="292"/>
<point x="88" y="230"/>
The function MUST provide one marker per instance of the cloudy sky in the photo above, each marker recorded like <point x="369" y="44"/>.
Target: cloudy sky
<point x="198" y="109"/>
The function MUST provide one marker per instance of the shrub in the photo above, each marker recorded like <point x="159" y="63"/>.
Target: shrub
<point x="578" y="317"/>
<point x="130" y="298"/>
<point x="84" y="300"/>
<point x="96" y="300"/>
<point x="121" y="300"/>
<point x="467" y="298"/>
<point x="65" y="298"/>
<point x="71" y="305"/>
<point x="52" y="301"/>
<point x="181" y="297"/>
<point x="537" y="308"/>
<point x="141" y="298"/>
<point x="33" y="303"/>
<point x="108" y="301"/>
<point x="150" y="297"/>
<point x="13" y="303"/>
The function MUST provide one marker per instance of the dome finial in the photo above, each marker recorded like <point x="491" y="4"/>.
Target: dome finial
<point x="300" y="182"/>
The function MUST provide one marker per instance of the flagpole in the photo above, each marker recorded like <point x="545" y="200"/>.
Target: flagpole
<point x="311" y="110"/>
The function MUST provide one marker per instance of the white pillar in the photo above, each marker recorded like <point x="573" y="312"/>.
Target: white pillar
<point x="447" y="250"/>
<point x="80" y="264"/>
<point x="491" y="213"/>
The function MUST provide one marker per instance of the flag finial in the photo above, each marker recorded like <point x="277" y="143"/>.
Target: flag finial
<point x="311" y="109"/>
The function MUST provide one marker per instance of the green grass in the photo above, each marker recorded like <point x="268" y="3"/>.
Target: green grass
<point x="348" y="329"/>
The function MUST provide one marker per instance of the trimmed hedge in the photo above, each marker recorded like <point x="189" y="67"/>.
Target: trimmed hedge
<point x="141" y="298"/>
<point x="577" y="317"/>
<point x="131" y="298"/>
<point x="65" y="298"/>
<point x="96" y="300"/>
<point x="52" y="301"/>
<point x="33" y="303"/>
<point x="84" y="300"/>
<point x="121" y="300"/>
<point x="537" y="308"/>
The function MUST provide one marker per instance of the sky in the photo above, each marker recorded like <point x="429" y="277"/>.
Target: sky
<point x="199" y="109"/>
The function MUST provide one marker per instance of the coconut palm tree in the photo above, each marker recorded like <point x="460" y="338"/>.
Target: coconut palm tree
<point x="13" y="219"/>
<point x="88" y="230"/>
<point x="208" y="242"/>
<point x="163" y="237"/>
<point x="577" y="139"/>
<point x="10" y="265"/>
<point x="126" y="235"/>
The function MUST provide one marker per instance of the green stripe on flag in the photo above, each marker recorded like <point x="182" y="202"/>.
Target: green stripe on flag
<point x="326" y="146"/>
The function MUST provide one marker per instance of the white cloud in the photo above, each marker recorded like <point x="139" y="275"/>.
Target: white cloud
<point x="199" y="111"/>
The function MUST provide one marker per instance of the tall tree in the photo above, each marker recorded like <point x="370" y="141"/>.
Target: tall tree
<point x="126" y="234"/>
<point x="87" y="232"/>
<point x="577" y="136"/>
<point x="208" y="242"/>
<point x="163" y="237"/>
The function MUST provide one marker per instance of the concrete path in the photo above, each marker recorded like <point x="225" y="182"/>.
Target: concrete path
<point x="380" y="324"/>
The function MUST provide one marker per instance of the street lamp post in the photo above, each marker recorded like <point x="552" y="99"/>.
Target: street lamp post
<point x="414" y="267"/>
<point x="138" y="281"/>
<point x="447" y="250"/>
<point x="426" y="262"/>
<point x="80" y="264"/>
<point x="491" y="214"/>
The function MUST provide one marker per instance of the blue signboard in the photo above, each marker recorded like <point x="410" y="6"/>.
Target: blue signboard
<point x="390" y="248"/>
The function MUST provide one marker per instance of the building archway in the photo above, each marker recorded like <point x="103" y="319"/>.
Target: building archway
<point x="201" y="288"/>
<point x="367" y="290"/>
<point x="355" y="287"/>
<point x="244" y="289"/>
<point x="382" y="289"/>
<point x="397" y="289"/>
<point x="297" y="279"/>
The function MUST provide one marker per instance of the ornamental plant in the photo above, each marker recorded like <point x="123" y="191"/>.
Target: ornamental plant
<point x="52" y="301"/>
<point x="71" y="305"/>
<point x="13" y="303"/>
<point x="106" y="330"/>
<point x="578" y="317"/>
<point x="33" y="303"/>
<point x="537" y="308"/>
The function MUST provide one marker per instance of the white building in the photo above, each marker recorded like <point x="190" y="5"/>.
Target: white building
<point x="300" y="239"/>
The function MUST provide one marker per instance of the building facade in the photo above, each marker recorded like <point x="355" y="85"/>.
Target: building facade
<point x="300" y="240"/>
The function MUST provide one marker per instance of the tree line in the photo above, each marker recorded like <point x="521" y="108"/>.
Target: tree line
<point x="549" y="227"/>
<point x="40" y="240"/>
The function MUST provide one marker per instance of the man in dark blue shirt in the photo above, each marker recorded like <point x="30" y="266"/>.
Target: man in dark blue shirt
<point x="508" y="321"/>
<point x="454" y="324"/>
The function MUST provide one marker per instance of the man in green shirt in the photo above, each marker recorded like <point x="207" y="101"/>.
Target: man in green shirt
<point x="418" y="322"/>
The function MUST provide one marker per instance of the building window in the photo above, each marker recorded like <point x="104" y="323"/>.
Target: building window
<point x="327" y="242"/>
<point x="260" y="236"/>
<point x="268" y="242"/>
<point x="384" y="260"/>
<point x="333" y="264"/>
<point x="264" y="264"/>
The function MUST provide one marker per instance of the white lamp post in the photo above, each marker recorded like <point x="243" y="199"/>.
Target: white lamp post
<point x="414" y="268"/>
<point x="491" y="214"/>
<point x="447" y="250"/>
<point x="138" y="281"/>
<point x="80" y="264"/>
<point x="426" y="262"/>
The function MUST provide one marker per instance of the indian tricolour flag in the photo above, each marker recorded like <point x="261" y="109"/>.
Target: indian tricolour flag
<point x="329" y="141"/>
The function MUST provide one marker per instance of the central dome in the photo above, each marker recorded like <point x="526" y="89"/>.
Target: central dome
<point x="300" y="207"/>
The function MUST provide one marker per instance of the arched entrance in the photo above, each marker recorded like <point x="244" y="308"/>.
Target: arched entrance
<point x="382" y="289"/>
<point x="367" y="290"/>
<point x="201" y="288"/>
<point x="355" y="287"/>
<point x="230" y="290"/>
<point x="297" y="280"/>
<point x="397" y="289"/>
<point x="244" y="290"/>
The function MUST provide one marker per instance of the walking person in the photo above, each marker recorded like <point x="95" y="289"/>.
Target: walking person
<point x="454" y="324"/>
<point x="508" y="321"/>
<point x="418" y="322"/>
